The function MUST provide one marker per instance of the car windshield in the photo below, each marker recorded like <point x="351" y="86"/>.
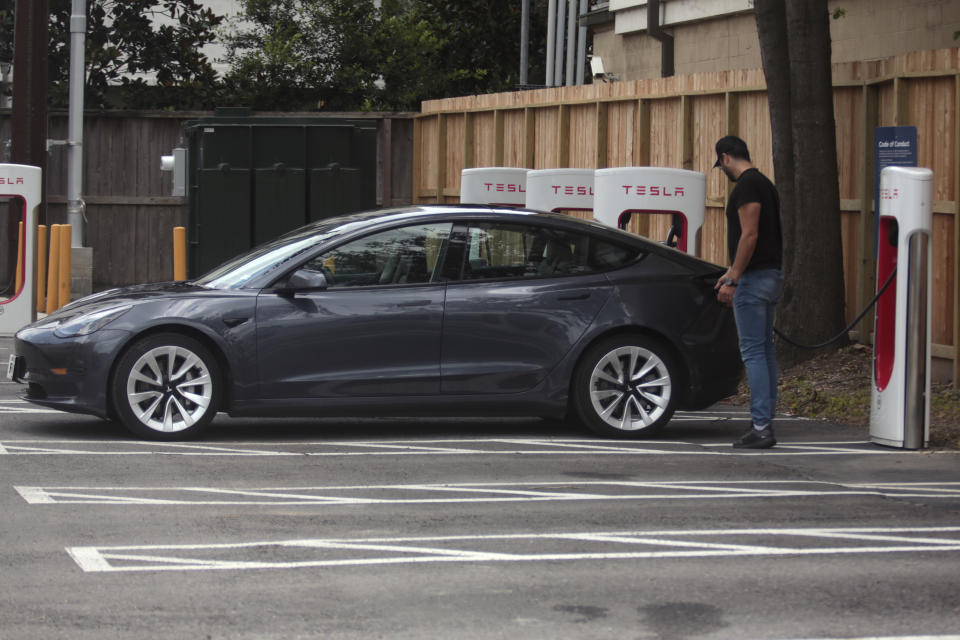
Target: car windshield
<point x="237" y="272"/>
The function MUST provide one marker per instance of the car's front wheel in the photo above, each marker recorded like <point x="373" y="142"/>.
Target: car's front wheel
<point x="626" y="386"/>
<point x="166" y="387"/>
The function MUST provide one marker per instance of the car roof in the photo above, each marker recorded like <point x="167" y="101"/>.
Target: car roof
<point x="361" y="221"/>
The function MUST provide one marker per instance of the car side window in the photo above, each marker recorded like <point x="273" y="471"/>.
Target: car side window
<point x="408" y="255"/>
<point x="603" y="255"/>
<point x="521" y="251"/>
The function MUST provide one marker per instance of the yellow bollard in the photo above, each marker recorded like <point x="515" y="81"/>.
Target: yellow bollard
<point x="41" y="268"/>
<point x="63" y="291"/>
<point x="53" y="271"/>
<point x="16" y="290"/>
<point x="179" y="253"/>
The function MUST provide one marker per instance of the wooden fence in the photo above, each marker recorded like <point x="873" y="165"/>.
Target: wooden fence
<point x="129" y="212"/>
<point x="674" y="122"/>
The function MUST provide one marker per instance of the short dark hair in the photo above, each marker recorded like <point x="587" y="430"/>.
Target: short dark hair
<point x="732" y="146"/>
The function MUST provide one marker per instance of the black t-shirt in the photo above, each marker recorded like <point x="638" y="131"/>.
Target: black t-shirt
<point x="753" y="186"/>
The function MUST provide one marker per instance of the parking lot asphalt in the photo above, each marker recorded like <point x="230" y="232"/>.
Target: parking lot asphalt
<point x="471" y="528"/>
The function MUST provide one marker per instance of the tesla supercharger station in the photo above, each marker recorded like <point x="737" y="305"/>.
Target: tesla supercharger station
<point x="620" y="192"/>
<point x="560" y="189"/>
<point x="494" y="185"/>
<point x="900" y="406"/>
<point x="21" y="183"/>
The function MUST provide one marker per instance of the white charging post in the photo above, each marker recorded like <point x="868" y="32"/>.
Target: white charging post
<point x="22" y="183"/>
<point x="900" y="406"/>
<point x="560" y="190"/>
<point x="623" y="191"/>
<point x="494" y="185"/>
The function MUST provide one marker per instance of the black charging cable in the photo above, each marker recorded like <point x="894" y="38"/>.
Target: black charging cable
<point x="845" y="331"/>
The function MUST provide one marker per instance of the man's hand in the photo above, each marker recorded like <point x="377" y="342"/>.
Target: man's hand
<point x="725" y="291"/>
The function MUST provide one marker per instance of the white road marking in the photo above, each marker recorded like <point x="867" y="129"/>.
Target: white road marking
<point x="469" y="446"/>
<point x="477" y="492"/>
<point x="20" y="407"/>
<point x="551" y="547"/>
<point x="947" y="637"/>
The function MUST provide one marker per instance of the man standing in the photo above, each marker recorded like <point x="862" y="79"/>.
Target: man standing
<point x="754" y="281"/>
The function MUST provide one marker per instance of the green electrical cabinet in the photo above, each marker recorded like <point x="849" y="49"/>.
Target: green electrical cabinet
<point x="250" y="179"/>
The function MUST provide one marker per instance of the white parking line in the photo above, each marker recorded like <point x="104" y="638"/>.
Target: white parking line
<point x="550" y="547"/>
<point x="477" y="492"/>
<point x="947" y="637"/>
<point x="21" y="407"/>
<point x="445" y="447"/>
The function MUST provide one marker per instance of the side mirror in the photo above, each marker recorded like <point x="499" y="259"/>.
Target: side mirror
<point x="300" y="281"/>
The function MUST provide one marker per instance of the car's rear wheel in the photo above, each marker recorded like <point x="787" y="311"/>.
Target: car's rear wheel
<point x="626" y="386"/>
<point x="166" y="387"/>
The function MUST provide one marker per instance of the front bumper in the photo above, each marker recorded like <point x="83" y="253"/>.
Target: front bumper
<point x="69" y="374"/>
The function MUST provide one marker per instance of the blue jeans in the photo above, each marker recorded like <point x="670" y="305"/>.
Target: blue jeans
<point x="754" y="301"/>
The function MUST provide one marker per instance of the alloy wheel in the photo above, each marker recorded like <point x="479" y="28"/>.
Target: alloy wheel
<point x="169" y="388"/>
<point x="630" y="388"/>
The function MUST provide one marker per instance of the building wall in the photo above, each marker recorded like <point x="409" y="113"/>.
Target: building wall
<point x="868" y="30"/>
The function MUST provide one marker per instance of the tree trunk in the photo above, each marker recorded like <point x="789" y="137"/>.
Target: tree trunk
<point x="795" y="49"/>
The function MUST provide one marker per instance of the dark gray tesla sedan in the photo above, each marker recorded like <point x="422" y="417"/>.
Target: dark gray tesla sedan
<point x="422" y="311"/>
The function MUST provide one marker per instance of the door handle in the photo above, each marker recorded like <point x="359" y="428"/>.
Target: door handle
<point x="574" y="296"/>
<point x="414" y="303"/>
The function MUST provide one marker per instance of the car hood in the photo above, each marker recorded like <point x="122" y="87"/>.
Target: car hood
<point x="128" y="295"/>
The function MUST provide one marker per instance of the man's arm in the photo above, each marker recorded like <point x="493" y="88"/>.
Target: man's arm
<point x="749" y="214"/>
<point x="749" y="232"/>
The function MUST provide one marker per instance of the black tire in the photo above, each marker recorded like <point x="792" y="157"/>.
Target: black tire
<point x="611" y="403"/>
<point x="166" y="387"/>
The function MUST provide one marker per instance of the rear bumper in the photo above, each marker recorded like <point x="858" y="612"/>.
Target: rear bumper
<point x="717" y="354"/>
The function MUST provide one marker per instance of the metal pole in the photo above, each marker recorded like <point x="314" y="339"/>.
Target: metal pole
<point x="75" y="206"/>
<point x="524" y="42"/>
<point x="558" y="59"/>
<point x="581" y="45"/>
<point x="918" y="339"/>
<point x="571" y="40"/>
<point x="551" y="40"/>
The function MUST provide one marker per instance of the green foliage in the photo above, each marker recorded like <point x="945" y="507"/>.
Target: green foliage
<point x="125" y="40"/>
<point x="480" y="51"/>
<point x="339" y="55"/>
<point x="6" y="30"/>
<point x="808" y="398"/>
<point x="352" y="54"/>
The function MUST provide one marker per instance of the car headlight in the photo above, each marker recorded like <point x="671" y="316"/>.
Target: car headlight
<point x="87" y="323"/>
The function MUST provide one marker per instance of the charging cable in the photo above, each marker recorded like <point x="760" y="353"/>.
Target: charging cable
<point x="852" y="325"/>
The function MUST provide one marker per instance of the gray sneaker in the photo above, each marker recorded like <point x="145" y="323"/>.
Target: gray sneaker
<point x="754" y="439"/>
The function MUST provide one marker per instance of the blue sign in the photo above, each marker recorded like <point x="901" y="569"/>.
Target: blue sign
<point x="892" y="147"/>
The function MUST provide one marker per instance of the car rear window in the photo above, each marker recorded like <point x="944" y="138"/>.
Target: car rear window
<point x="530" y="251"/>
